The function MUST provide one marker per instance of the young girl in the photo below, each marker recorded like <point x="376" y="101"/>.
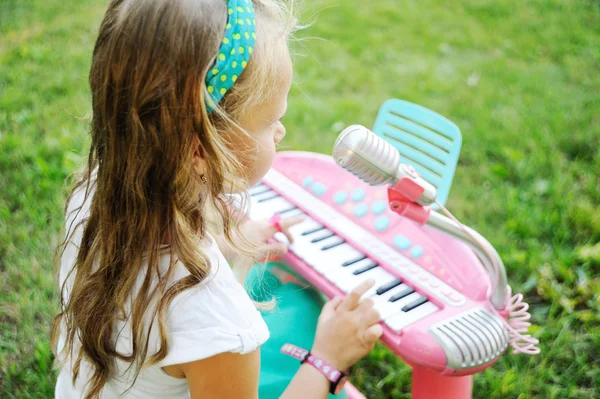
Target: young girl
<point x="187" y="98"/>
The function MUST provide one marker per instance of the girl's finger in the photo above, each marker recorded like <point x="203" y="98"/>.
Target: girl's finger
<point x="267" y="230"/>
<point x="330" y="307"/>
<point x="365" y="304"/>
<point x="373" y="333"/>
<point x="370" y="318"/>
<point x="350" y="302"/>
<point x="287" y="223"/>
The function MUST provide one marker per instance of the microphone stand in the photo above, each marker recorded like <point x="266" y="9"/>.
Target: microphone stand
<point x="403" y="198"/>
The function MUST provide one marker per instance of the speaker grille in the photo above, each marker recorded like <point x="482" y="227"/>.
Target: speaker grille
<point x="471" y="338"/>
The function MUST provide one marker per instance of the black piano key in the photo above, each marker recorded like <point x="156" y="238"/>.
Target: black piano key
<point x="314" y="240"/>
<point x="353" y="261"/>
<point x="370" y="266"/>
<point x="275" y="195"/>
<point x="326" y="247"/>
<point x="414" y="304"/>
<point x="402" y="294"/>
<point x="313" y="230"/>
<point x="261" y="191"/>
<point x="287" y="210"/>
<point x="386" y="287"/>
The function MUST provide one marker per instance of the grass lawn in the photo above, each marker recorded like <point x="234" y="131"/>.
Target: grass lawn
<point x="520" y="78"/>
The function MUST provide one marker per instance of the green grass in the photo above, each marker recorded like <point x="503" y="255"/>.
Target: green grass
<point x="520" y="78"/>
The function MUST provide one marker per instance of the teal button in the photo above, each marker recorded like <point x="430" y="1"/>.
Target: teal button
<point x="307" y="181"/>
<point x="378" y="207"/>
<point x="416" y="251"/>
<point x="340" y="197"/>
<point x="318" y="189"/>
<point x="361" y="209"/>
<point x="382" y="223"/>
<point x="358" y="194"/>
<point x="401" y="242"/>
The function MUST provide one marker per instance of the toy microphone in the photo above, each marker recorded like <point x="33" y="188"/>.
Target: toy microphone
<point x="376" y="162"/>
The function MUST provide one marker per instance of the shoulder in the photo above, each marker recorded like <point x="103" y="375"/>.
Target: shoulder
<point x="216" y="316"/>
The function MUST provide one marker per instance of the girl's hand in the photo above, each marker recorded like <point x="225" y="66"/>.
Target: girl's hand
<point x="347" y="329"/>
<point x="259" y="232"/>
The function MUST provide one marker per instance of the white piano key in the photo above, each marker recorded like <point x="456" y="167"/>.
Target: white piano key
<point x="307" y="224"/>
<point x="281" y="238"/>
<point x="268" y="212"/>
<point x="263" y="210"/>
<point x="280" y="203"/>
<point x="403" y="319"/>
<point x="311" y="251"/>
<point x="315" y="253"/>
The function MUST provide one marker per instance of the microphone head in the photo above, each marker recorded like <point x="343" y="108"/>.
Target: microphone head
<point x="366" y="155"/>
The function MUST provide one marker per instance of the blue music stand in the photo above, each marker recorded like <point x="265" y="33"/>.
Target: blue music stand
<point x="425" y="140"/>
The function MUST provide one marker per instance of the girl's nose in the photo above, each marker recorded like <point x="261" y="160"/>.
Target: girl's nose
<point x="280" y="135"/>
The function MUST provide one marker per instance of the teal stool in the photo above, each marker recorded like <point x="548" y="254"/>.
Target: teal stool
<point x="293" y="320"/>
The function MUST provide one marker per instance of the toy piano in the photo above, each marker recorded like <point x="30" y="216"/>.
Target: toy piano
<point x="432" y="291"/>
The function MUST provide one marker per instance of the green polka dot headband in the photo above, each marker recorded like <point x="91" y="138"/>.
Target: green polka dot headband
<point x="235" y="51"/>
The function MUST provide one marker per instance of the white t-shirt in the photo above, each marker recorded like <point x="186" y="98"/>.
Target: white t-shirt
<point x="217" y="316"/>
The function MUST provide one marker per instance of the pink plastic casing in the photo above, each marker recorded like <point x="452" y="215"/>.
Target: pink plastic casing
<point x="446" y="258"/>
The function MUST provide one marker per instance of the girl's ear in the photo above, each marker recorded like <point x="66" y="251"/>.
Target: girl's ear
<point x="198" y="158"/>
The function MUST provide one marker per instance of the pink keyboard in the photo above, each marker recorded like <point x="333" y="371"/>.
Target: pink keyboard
<point x="430" y="289"/>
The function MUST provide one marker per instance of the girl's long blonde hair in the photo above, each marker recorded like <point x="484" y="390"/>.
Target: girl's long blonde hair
<point x="147" y="82"/>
